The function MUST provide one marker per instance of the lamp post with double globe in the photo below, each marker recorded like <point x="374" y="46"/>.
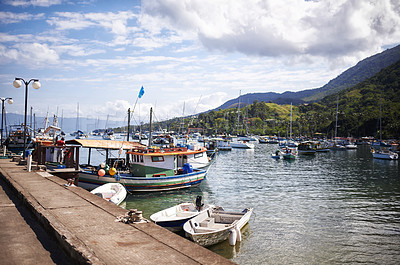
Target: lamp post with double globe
<point x="10" y="101"/>
<point x="36" y="85"/>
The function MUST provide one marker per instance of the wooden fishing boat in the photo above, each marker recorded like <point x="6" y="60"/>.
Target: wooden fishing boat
<point x="289" y="153"/>
<point x="113" y="192"/>
<point x="216" y="225"/>
<point x="175" y="217"/>
<point x="306" y="148"/>
<point x="150" y="169"/>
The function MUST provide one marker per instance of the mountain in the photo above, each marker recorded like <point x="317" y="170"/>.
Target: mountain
<point x="352" y="76"/>
<point x="360" y="109"/>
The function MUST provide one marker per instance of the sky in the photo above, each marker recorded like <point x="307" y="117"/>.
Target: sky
<point x="189" y="55"/>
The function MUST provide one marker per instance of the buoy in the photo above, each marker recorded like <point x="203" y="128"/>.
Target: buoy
<point x="232" y="237"/>
<point x="238" y="234"/>
<point x="102" y="165"/>
<point x="101" y="172"/>
<point x="106" y="168"/>
<point x="112" y="171"/>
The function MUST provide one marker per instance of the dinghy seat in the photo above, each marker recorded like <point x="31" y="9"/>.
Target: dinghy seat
<point x="184" y="214"/>
<point x="208" y="222"/>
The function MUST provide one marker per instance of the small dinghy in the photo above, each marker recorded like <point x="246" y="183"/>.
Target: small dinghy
<point x="174" y="217"/>
<point x="277" y="155"/>
<point x="113" y="192"/>
<point x="216" y="225"/>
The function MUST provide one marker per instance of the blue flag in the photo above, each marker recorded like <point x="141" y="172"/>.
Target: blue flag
<point x="141" y="92"/>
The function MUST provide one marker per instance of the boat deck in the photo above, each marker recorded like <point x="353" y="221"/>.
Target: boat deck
<point x="85" y="228"/>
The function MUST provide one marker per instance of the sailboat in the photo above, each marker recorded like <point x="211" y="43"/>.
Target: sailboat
<point x="108" y="133"/>
<point x="289" y="149"/>
<point x="78" y="134"/>
<point x="242" y="144"/>
<point x="381" y="150"/>
<point x="336" y="146"/>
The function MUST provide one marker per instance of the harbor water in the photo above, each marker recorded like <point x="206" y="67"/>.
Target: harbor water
<point x="331" y="208"/>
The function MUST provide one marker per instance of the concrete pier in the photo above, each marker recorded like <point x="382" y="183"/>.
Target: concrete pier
<point x="83" y="226"/>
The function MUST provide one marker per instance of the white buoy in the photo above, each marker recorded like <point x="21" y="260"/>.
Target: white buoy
<point x="238" y="234"/>
<point x="232" y="237"/>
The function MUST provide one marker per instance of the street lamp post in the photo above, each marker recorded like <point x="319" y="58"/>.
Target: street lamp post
<point x="10" y="101"/>
<point x="36" y="85"/>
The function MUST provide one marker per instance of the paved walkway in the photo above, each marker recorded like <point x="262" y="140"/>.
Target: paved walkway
<point x="22" y="239"/>
<point x="84" y="227"/>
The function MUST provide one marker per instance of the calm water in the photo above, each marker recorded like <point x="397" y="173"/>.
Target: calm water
<point x="334" y="208"/>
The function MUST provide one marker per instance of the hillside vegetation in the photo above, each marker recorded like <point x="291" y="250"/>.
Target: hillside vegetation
<point x="358" y="115"/>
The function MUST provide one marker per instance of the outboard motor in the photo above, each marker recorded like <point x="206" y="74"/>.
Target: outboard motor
<point x="199" y="204"/>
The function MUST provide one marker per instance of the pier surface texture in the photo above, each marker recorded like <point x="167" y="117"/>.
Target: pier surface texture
<point x="45" y="222"/>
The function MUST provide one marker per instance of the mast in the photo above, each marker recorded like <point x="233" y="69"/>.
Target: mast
<point x="380" y="119"/>
<point x="237" y="132"/>
<point x="337" y="108"/>
<point x="129" y="123"/>
<point x="150" y="137"/>
<point x="182" y="124"/>
<point x="77" y="117"/>
<point x="290" y="135"/>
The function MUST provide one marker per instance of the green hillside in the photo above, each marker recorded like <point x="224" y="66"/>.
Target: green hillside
<point x="361" y="71"/>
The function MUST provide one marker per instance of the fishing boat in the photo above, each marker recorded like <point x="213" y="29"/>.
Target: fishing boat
<point x="149" y="169"/>
<point x="175" y="217"/>
<point x="15" y="139"/>
<point x="306" y="148"/>
<point x="113" y="192"/>
<point x="322" y="147"/>
<point x="289" y="153"/>
<point x="216" y="225"/>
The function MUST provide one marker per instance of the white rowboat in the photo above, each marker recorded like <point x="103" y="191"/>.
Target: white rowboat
<point x="113" y="192"/>
<point x="216" y="225"/>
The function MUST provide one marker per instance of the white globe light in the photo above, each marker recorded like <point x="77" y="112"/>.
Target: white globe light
<point x="17" y="83"/>
<point x="36" y="85"/>
<point x="10" y="101"/>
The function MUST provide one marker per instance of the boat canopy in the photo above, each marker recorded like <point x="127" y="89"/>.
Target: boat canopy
<point x="106" y="144"/>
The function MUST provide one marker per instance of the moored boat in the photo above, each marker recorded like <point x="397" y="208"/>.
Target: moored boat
<point x="289" y="153"/>
<point x="242" y="145"/>
<point x="175" y="217"/>
<point x="306" y="148"/>
<point x="216" y="225"/>
<point x="150" y="169"/>
<point x="113" y="192"/>
<point x="383" y="152"/>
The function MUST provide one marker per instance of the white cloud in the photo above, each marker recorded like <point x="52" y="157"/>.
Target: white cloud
<point x="113" y="22"/>
<point x="31" y="54"/>
<point x="9" y="17"/>
<point x="42" y="3"/>
<point x="329" y="29"/>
